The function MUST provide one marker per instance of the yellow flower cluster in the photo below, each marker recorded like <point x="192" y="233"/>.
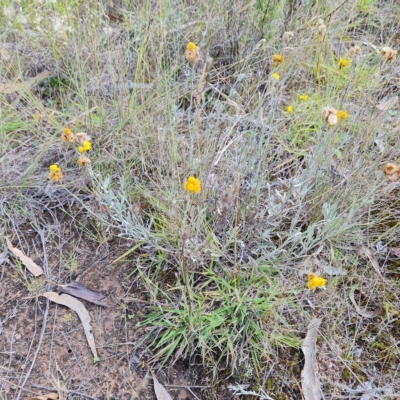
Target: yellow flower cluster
<point x="303" y="97"/>
<point x="315" y="281"/>
<point x="192" y="53"/>
<point x="67" y="136"/>
<point x="193" y="185"/>
<point x="83" y="139"/>
<point x="55" y="173"/>
<point x="86" y="146"/>
<point x="289" y="109"/>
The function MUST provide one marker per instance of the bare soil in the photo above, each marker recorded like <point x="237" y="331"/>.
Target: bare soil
<point x="37" y="360"/>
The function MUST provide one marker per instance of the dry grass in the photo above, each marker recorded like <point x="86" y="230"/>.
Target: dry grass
<point x="283" y="194"/>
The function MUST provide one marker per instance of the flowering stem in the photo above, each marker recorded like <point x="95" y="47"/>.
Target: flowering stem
<point x="183" y="265"/>
<point x="235" y="230"/>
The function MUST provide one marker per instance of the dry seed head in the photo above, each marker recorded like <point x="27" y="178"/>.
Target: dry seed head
<point x="136" y="208"/>
<point x="329" y="114"/>
<point x="332" y="119"/>
<point x="392" y="172"/>
<point x="55" y="176"/>
<point x="388" y="54"/>
<point x="321" y="27"/>
<point x="277" y="59"/>
<point x="355" y="51"/>
<point x="82" y="137"/>
<point x="287" y="36"/>
<point x="83" y="161"/>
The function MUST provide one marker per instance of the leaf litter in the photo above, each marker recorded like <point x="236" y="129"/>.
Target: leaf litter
<point x="76" y="289"/>
<point x="48" y="396"/>
<point x="33" y="268"/>
<point x="161" y="392"/>
<point x="309" y="381"/>
<point x="79" y="308"/>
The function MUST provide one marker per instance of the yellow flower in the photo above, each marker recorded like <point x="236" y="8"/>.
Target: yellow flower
<point x="303" y="97"/>
<point x="343" y="63"/>
<point x="289" y="109"/>
<point x="54" y="168"/>
<point x="67" y="136"/>
<point x="192" y="53"/>
<point x="83" y="161"/>
<point x="341" y="115"/>
<point x="315" y="281"/>
<point x="86" y="146"/>
<point x="55" y="173"/>
<point x="276" y="76"/>
<point x="193" y="185"/>
<point x="277" y="59"/>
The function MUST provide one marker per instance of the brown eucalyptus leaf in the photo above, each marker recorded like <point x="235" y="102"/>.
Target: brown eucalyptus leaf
<point x="33" y="268"/>
<point x="78" y="290"/>
<point x="48" y="396"/>
<point x="80" y="309"/>
<point x="309" y="382"/>
<point x="161" y="392"/>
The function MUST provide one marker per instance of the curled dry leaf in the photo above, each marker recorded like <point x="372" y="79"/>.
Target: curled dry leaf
<point x="80" y="309"/>
<point x="78" y="290"/>
<point x="33" y="268"/>
<point x="364" y="250"/>
<point x="309" y="382"/>
<point x="161" y="392"/>
<point x="358" y="309"/>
